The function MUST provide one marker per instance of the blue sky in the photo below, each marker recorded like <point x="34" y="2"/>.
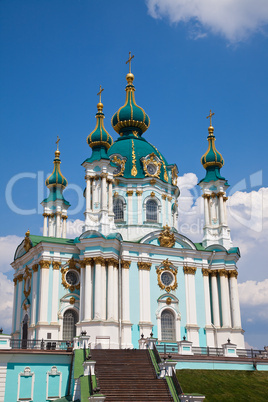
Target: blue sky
<point x="188" y="60"/>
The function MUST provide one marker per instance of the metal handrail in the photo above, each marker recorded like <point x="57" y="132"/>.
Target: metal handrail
<point x="43" y="344"/>
<point x="176" y="383"/>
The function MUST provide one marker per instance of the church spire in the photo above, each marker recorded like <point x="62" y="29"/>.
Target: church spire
<point x="55" y="206"/>
<point x="214" y="186"/>
<point x="99" y="139"/>
<point x="130" y="119"/>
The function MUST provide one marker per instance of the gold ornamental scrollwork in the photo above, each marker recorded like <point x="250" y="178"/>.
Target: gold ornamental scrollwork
<point x="121" y="164"/>
<point x="223" y="272"/>
<point x="166" y="237"/>
<point x="214" y="272"/>
<point x="167" y="266"/>
<point x="174" y="176"/>
<point x="152" y="160"/>
<point x="71" y="267"/>
<point x="27" y="241"/>
<point x="35" y="267"/>
<point x="86" y="261"/>
<point x="112" y="262"/>
<point x="144" y="266"/>
<point x="27" y="282"/>
<point x="189" y="270"/>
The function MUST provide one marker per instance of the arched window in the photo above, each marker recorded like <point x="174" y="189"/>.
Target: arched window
<point x="151" y="211"/>
<point x="167" y="326"/>
<point x="118" y="209"/>
<point x="70" y="318"/>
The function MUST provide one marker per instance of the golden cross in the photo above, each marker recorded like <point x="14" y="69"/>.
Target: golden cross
<point x="210" y="116"/>
<point x="57" y="142"/>
<point x="99" y="93"/>
<point x="129" y="61"/>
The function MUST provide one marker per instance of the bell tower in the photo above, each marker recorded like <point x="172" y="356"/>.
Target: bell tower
<point x="214" y="186"/>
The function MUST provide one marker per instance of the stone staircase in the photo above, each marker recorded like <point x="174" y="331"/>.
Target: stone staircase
<point x="128" y="375"/>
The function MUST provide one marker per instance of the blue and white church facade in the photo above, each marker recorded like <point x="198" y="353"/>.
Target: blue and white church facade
<point x="130" y="272"/>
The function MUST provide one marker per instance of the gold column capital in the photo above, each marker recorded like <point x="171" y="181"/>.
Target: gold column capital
<point x="125" y="264"/>
<point x="214" y="272"/>
<point x="129" y="193"/>
<point x="56" y="265"/>
<point x="205" y="271"/>
<point x="144" y="266"/>
<point x="139" y="192"/>
<point x="112" y="261"/>
<point x="223" y="272"/>
<point x="15" y="280"/>
<point x="233" y="273"/>
<point x="169" y="198"/>
<point x="20" y="277"/>
<point x="164" y="197"/>
<point x="86" y="261"/>
<point x="189" y="270"/>
<point x="99" y="260"/>
<point x="44" y="264"/>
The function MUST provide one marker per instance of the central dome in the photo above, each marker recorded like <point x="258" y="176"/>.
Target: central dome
<point x="130" y="116"/>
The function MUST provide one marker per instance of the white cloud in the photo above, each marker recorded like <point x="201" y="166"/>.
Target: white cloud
<point x="253" y="293"/>
<point x="233" y="19"/>
<point x="8" y="245"/>
<point x="74" y="228"/>
<point x="6" y="292"/>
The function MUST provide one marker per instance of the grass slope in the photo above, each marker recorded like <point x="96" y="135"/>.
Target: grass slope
<point x="225" y="385"/>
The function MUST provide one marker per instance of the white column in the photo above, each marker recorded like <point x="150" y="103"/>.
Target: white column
<point x="169" y="210"/>
<point x="235" y="307"/>
<point x="82" y="292"/>
<point x="129" y="206"/>
<point x="215" y="299"/>
<point x="103" y="191"/>
<point x="125" y="291"/>
<point x="34" y="295"/>
<point x="111" y="288"/>
<point x="116" y="291"/>
<point x="205" y="196"/>
<point x="88" y="193"/>
<point x="139" y="198"/>
<point x="207" y="295"/>
<point x="50" y="225"/>
<point x="58" y="225"/>
<point x="13" y="328"/>
<point x="88" y="289"/>
<point x="64" y="226"/>
<point x="221" y="208"/>
<point x="164" y="209"/>
<point x="110" y="192"/>
<point x="104" y="291"/>
<point x="18" y="318"/>
<point x="45" y="224"/>
<point x="43" y="291"/>
<point x="99" y="261"/>
<point x="225" y="300"/>
<point x="55" y="292"/>
<point x="225" y="211"/>
<point x="190" y="294"/>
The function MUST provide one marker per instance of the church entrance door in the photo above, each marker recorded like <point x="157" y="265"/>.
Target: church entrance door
<point x="24" y="332"/>
<point x="70" y="318"/>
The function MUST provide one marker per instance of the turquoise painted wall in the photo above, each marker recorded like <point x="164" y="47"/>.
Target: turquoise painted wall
<point x="205" y="365"/>
<point x="39" y="365"/>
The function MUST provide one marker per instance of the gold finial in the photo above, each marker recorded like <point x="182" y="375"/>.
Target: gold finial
<point x="99" y="93"/>
<point x="129" y="61"/>
<point x="210" y="117"/>
<point x="27" y="234"/>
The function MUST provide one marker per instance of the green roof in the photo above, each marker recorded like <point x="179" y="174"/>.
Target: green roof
<point x="99" y="136"/>
<point x="199" y="246"/>
<point x="213" y="174"/>
<point x="56" y="178"/>
<point x="130" y="116"/>
<point x="55" y="194"/>
<point x="38" y="239"/>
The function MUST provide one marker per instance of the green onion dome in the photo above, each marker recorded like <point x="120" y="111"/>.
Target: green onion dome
<point x="99" y="137"/>
<point x="212" y="158"/>
<point x="130" y="116"/>
<point x="56" y="178"/>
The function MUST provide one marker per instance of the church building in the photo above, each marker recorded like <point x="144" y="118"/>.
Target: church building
<point x="130" y="272"/>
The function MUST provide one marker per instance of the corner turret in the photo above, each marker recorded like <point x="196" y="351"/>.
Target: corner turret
<point x="55" y="205"/>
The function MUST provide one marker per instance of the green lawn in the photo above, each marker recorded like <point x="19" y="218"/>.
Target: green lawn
<point x="225" y="385"/>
